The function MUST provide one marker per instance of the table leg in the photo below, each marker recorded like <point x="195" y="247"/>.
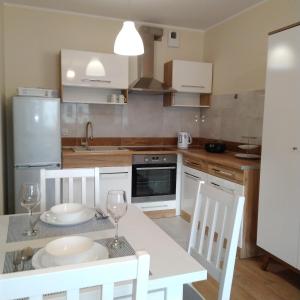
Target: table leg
<point x="174" y="292"/>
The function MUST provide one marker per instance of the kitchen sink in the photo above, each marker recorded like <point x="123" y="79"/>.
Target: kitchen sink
<point x="98" y="149"/>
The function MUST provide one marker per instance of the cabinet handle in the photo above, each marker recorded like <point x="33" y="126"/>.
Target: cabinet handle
<point x="193" y="86"/>
<point x="218" y="186"/>
<point x="157" y="206"/>
<point x="190" y="175"/>
<point x="223" y="172"/>
<point x="95" y="80"/>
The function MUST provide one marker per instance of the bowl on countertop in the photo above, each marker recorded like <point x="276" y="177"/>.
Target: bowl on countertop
<point x="215" y="147"/>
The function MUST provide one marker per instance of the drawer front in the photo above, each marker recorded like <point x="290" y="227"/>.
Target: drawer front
<point x="226" y="173"/>
<point x="195" y="164"/>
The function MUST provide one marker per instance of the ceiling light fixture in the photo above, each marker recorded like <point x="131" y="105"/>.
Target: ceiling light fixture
<point x="128" y="41"/>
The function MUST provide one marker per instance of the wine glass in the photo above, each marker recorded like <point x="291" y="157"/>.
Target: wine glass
<point x="116" y="205"/>
<point x="30" y="198"/>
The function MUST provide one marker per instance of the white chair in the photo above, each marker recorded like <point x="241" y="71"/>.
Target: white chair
<point x="214" y="236"/>
<point x="70" y="279"/>
<point x="69" y="175"/>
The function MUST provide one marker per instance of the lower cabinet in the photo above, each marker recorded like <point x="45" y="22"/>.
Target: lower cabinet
<point x="245" y="183"/>
<point x="114" y="178"/>
<point x="111" y="178"/>
<point x="190" y="182"/>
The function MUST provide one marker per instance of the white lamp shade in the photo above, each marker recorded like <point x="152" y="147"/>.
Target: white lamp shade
<point x="128" y="41"/>
<point x="95" y="68"/>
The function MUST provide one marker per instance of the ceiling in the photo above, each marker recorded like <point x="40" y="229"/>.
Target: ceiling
<point x="196" y="14"/>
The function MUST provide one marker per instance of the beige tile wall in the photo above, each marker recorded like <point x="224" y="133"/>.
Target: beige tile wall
<point x="143" y="116"/>
<point x="233" y="116"/>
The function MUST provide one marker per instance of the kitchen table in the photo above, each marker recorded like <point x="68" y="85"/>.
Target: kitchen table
<point x="170" y="265"/>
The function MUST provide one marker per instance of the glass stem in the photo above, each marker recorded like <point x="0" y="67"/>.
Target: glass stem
<point x="117" y="229"/>
<point x="30" y="219"/>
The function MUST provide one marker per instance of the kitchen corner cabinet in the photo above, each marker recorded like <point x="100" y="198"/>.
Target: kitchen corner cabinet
<point x="192" y="81"/>
<point x="243" y="182"/>
<point x="279" y="203"/>
<point x="91" y="77"/>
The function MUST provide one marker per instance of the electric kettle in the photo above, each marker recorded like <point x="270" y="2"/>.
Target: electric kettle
<point x="184" y="140"/>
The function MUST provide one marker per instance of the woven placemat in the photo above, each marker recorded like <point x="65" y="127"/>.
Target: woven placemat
<point x="17" y="224"/>
<point x="125" y="250"/>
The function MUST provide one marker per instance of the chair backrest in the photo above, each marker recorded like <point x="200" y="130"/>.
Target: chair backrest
<point x="71" y="279"/>
<point x="215" y="232"/>
<point x="69" y="175"/>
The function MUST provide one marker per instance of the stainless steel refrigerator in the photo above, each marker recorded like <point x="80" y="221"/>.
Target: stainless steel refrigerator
<point x="37" y="141"/>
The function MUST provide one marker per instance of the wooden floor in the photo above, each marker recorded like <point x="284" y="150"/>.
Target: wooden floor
<point x="252" y="283"/>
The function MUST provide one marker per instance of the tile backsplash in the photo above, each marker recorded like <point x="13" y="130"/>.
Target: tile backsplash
<point x="229" y="118"/>
<point x="233" y="116"/>
<point x="143" y="116"/>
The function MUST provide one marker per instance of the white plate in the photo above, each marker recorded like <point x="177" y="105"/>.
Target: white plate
<point x="50" y="218"/>
<point x="41" y="259"/>
<point x="248" y="147"/>
<point x="247" y="156"/>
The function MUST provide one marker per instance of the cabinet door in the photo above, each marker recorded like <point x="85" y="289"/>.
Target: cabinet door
<point x="192" y="77"/>
<point x="279" y="205"/>
<point x="190" y="183"/>
<point x="91" y="69"/>
<point x="114" y="178"/>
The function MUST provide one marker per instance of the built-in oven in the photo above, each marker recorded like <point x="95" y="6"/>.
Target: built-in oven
<point x="154" y="178"/>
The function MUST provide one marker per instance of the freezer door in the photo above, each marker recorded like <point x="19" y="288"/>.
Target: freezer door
<point x="36" y="129"/>
<point x="32" y="175"/>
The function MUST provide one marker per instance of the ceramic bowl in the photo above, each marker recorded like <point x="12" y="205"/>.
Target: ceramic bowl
<point x="68" y="211"/>
<point x="70" y="249"/>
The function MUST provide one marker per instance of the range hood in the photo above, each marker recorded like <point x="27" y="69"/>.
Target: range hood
<point x="146" y="83"/>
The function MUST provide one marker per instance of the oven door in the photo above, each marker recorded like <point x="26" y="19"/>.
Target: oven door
<point x="153" y="183"/>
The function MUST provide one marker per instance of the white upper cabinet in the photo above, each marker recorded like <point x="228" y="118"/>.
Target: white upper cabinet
<point x="91" y="69"/>
<point x="191" y="76"/>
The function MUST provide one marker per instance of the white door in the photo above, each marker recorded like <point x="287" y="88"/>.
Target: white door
<point x="279" y="205"/>
<point x="190" y="183"/>
<point x="114" y="178"/>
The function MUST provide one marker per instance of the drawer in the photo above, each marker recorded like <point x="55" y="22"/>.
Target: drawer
<point x="226" y="173"/>
<point x="197" y="164"/>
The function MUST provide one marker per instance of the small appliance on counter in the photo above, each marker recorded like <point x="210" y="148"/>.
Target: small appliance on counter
<point x="184" y="140"/>
<point x="215" y="147"/>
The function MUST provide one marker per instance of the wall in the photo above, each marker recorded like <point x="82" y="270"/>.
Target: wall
<point x="143" y="116"/>
<point x="36" y="48"/>
<point x="234" y="116"/>
<point x="238" y="47"/>
<point x="1" y="111"/>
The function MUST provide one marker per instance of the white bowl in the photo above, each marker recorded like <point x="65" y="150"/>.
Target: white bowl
<point x="248" y="147"/>
<point x="67" y="211"/>
<point x="69" y="249"/>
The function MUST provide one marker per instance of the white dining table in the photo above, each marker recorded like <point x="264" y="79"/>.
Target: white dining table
<point x="170" y="265"/>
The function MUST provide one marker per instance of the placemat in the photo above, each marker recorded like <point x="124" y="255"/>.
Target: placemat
<point x="17" y="224"/>
<point x="126" y="250"/>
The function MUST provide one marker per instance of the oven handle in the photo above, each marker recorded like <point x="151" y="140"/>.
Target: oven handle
<point x="156" y="168"/>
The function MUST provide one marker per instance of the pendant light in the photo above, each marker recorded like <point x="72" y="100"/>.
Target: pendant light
<point x="128" y="41"/>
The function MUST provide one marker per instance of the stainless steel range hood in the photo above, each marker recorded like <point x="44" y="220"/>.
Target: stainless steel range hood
<point x="146" y="83"/>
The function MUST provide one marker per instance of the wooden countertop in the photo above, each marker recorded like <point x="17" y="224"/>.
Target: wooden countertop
<point x="226" y="159"/>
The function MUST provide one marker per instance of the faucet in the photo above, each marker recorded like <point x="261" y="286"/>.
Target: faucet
<point x="87" y="137"/>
